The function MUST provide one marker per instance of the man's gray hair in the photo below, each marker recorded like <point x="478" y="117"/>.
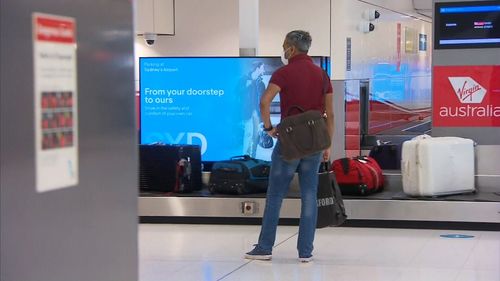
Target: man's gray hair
<point x="299" y="39"/>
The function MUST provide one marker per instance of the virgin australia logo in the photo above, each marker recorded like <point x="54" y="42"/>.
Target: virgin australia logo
<point x="467" y="90"/>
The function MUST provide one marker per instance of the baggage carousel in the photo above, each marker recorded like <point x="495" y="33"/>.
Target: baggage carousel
<point x="391" y="205"/>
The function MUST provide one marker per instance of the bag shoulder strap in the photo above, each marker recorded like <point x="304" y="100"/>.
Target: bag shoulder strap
<point x="345" y="165"/>
<point x="244" y="158"/>
<point x="326" y="81"/>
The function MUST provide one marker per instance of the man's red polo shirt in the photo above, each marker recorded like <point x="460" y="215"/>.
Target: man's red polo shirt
<point x="302" y="84"/>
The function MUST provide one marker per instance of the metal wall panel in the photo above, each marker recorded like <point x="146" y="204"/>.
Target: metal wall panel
<point x="86" y="232"/>
<point x="339" y="119"/>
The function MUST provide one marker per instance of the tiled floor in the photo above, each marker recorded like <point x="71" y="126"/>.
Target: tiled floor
<point x="215" y="252"/>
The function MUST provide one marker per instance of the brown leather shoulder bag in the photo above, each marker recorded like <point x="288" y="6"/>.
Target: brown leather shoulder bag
<point x="303" y="134"/>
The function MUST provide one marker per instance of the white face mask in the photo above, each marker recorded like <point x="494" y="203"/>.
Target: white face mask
<point x="284" y="60"/>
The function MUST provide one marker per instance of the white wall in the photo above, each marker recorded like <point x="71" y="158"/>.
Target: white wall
<point x="249" y="24"/>
<point x="212" y="28"/>
<point x="154" y="16"/>
<point x="371" y="51"/>
<point x="202" y="28"/>
<point x="402" y="6"/>
<point x="378" y="46"/>
<point x="278" y="17"/>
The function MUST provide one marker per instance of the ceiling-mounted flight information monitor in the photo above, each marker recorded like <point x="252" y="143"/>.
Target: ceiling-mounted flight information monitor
<point x="462" y="25"/>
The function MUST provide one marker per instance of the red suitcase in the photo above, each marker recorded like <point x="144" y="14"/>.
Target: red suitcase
<point x="358" y="176"/>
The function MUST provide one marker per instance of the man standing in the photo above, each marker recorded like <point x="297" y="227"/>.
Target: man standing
<point x="300" y="83"/>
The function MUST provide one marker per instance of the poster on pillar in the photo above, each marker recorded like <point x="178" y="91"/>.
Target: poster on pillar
<point x="55" y="96"/>
<point x="466" y="96"/>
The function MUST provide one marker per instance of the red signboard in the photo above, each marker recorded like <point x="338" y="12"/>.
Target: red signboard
<point x="466" y="96"/>
<point x="55" y="29"/>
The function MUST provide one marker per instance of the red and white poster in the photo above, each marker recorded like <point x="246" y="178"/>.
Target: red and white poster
<point x="56" y="115"/>
<point x="466" y="96"/>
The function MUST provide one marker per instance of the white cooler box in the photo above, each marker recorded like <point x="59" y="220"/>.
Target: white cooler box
<point x="438" y="166"/>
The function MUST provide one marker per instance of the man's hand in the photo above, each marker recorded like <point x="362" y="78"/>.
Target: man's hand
<point x="265" y="107"/>
<point x="326" y="155"/>
<point x="273" y="133"/>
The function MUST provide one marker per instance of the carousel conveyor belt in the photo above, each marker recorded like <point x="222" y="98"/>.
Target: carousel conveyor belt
<point x="391" y="205"/>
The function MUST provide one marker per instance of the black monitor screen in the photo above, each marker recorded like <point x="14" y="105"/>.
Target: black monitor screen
<point x="460" y="25"/>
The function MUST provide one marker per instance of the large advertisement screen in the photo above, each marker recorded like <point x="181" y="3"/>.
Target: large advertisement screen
<point x="208" y="101"/>
<point x="467" y="25"/>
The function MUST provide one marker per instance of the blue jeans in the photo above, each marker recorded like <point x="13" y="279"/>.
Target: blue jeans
<point x="281" y="175"/>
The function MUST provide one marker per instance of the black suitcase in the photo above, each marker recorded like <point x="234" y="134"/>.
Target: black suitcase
<point x="240" y="175"/>
<point x="388" y="156"/>
<point x="170" y="168"/>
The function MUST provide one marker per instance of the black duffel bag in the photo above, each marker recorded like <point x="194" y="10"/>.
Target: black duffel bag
<point x="240" y="175"/>
<point x="387" y="155"/>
